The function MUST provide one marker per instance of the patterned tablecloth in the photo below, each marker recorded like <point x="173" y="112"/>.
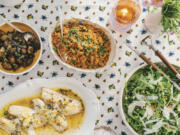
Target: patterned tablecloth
<point x="42" y="15"/>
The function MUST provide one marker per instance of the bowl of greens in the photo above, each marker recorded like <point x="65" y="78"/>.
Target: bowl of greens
<point x="149" y="103"/>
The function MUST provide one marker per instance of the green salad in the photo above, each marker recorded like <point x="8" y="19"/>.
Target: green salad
<point x="151" y="103"/>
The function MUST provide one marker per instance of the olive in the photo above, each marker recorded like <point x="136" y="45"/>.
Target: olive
<point x="6" y="43"/>
<point x="23" y="51"/>
<point x="35" y="43"/>
<point x="12" y="60"/>
<point x="9" y="46"/>
<point x="4" y="37"/>
<point x="30" y="41"/>
<point x="23" y="42"/>
<point x="2" y="49"/>
<point x="2" y="32"/>
<point x="11" y="50"/>
<point x="30" y="49"/>
<point x="15" y="66"/>
<point x="16" y="38"/>
<point x="9" y="35"/>
<point x="19" y="60"/>
<point x="1" y="43"/>
<point x="28" y="62"/>
<point x="7" y="66"/>
<point x="30" y="56"/>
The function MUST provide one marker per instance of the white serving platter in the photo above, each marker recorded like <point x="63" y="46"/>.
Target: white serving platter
<point x="33" y="87"/>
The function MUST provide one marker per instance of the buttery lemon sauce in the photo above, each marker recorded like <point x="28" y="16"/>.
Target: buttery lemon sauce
<point x="22" y="27"/>
<point x="74" y="121"/>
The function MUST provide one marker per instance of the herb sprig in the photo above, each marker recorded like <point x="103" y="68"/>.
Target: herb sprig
<point x="171" y="16"/>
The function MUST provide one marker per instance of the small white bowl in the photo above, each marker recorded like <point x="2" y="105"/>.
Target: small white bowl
<point x="11" y="3"/>
<point x="123" y="116"/>
<point x="111" y="57"/>
<point x="25" y="26"/>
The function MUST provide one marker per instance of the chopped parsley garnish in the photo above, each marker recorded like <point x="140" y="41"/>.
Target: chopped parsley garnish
<point x="102" y="50"/>
<point x="73" y="62"/>
<point x="106" y="39"/>
<point x="57" y="29"/>
<point x="54" y="48"/>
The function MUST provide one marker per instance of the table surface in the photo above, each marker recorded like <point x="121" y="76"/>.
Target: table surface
<point x="42" y="16"/>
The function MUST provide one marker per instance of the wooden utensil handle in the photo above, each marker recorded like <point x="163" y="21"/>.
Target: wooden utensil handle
<point x="149" y="62"/>
<point x="158" y="53"/>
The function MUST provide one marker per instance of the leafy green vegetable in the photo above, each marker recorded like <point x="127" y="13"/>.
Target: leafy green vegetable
<point x="148" y="82"/>
<point x="171" y="16"/>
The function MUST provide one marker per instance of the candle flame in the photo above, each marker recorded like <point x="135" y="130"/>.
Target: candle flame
<point x="124" y="11"/>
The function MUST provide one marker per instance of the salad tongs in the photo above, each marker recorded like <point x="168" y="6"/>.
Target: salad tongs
<point x="149" y="62"/>
<point x="148" y="41"/>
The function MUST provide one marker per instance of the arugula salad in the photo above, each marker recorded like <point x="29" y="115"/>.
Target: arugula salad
<point x="151" y="103"/>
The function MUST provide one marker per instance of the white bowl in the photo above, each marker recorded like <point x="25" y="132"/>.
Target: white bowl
<point x="123" y="116"/>
<point x="25" y="25"/>
<point x="111" y="57"/>
<point x="11" y="2"/>
<point x="33" y="87"/>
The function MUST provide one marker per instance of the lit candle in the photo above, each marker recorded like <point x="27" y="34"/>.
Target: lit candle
<point x="123" y="12"/>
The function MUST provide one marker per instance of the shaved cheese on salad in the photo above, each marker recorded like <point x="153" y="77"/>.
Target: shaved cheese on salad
<point x="178" y="122"/>
<point x="167" y="111"/>
<point x="152" y="97"/>
<point x="143" y="98"/>
<point x="134" y="104"/>
<point x="178" y="108"/>
<point x="155" y="82"/>
<point x="140" y="97"/>
<point x="178" y="98"/>
<point x="149" y="112"/>
<point x="151" y="121"/>
<point x="155" y="128"/>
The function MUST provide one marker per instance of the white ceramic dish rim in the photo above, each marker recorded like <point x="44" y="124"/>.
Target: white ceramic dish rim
<point x="11" y="2"/>
<point x="28" y="70"/>
<point x="121" y="97"/>
<point x="32" y="87"/>
<point x="112" y="54"/>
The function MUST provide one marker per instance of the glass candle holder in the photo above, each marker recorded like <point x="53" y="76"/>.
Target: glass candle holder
<point x="124" y="15"/>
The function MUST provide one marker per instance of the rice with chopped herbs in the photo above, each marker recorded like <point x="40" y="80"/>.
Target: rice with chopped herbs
<point x="82" y="45"/>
